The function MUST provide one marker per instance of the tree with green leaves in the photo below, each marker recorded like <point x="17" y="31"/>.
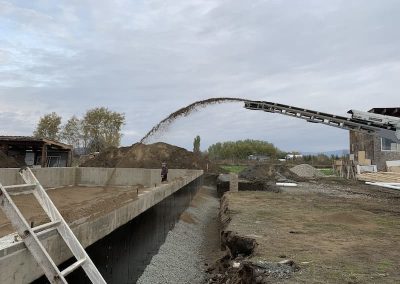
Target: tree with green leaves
<point x="72" y="133"/>
<point x="241" y="149"/>
<point x="48" y="126"/>
<point x="103" y="128"/>
<point x="196" y="144"/>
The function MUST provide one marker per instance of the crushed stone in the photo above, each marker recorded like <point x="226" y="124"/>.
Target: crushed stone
<point x="180" y="259"/>
<point x="306" y="171"/>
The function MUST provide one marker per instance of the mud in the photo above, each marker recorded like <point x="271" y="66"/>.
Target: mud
<point x="185" y="111"/>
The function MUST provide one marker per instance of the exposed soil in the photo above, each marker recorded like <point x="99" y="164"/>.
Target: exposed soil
<point x="186" y="111"/>
<point x="149" y="156"/>
<point x="73" y="203"/>
<point x="269" y="172"/>
<point x="320" y="232"/>
<point x="8" y="162"/>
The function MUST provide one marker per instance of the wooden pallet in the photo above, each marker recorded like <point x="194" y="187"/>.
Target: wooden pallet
<point x="389" y="177"/>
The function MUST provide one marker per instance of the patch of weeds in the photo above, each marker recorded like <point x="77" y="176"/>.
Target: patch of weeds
<point x="235" y="169"/>
<point x="384" y="265"/>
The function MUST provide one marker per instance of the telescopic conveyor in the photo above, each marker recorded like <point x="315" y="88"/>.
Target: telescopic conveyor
<point x="375" y="124"/>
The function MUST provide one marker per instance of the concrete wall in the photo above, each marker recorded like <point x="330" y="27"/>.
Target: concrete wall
<point x="58" y="177"/>
<point x="17" y="264"/>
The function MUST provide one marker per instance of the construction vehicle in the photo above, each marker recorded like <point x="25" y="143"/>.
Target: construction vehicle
<point x="369" y="123"/>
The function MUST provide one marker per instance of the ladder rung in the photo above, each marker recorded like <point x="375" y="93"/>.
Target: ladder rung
<point x="19" y="189"/>
<point x="74" y="266"/>
<point x="46" y="226"/>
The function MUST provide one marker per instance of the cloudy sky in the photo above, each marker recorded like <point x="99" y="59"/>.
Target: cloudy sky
<point x="149" y="58"/>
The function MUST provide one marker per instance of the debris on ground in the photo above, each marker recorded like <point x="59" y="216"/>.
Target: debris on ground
<point x="316" y="233"/>
<point x="269" y="172"/>
<point x="306" y="171"/>
<point x="150" y="156"/>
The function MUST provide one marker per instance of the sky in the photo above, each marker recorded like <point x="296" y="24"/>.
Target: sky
<point x="150" y="58"/>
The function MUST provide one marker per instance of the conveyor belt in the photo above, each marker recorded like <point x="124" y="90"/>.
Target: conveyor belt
<point x="364" y="126"/>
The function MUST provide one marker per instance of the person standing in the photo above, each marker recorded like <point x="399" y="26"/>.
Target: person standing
<point x="164" y="172"/>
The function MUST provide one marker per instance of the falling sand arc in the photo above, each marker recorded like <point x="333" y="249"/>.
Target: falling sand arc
<point x="185" y="111"/>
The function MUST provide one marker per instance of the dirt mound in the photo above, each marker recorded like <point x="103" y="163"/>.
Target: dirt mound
<point x="8" y="162"/>
<point x="148" y="156"/>
<point x="269" y="172"/>
<point x="306" y="171"/>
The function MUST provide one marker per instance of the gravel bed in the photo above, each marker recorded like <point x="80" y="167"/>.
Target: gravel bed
<point x="180" y="258"/>
<point x="306" y="171"/>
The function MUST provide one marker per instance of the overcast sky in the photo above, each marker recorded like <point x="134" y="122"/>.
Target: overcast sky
<point x="149" y="58"/>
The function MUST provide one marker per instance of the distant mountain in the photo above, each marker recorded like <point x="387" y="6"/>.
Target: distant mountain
<point x="339" y="153"/>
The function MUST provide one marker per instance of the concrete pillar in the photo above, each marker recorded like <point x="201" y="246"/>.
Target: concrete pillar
<point x="234" y="183"/>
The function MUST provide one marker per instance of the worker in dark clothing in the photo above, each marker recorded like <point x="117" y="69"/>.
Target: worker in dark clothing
<point x="164" y="172"/>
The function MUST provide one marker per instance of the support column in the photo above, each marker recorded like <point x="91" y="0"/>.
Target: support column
<point x="233" y="183"/>
<point x="44" y="155"/>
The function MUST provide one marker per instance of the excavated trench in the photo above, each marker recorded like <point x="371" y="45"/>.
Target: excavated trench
<point x="236" y="266"/>
<point x="122" y="256"/>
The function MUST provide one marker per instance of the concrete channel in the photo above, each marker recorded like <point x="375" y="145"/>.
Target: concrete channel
<point x="122" y="242"/>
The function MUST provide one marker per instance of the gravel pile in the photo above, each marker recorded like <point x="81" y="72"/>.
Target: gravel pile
<point x="306" y="171"/>
<point x="180" y="258"/>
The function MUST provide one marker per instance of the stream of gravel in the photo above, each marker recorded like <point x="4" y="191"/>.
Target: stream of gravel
<point x="190" y="246"/>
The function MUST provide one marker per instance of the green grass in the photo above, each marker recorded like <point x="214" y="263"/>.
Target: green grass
<point x="233" y="169"/>
<point x="327" y="171"/>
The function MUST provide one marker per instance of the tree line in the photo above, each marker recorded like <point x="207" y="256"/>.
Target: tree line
<point x="98" y="129"/>
<point x="241" y="149"/>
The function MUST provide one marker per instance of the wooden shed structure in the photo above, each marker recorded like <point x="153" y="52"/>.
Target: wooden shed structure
<point x="37" y="151"/>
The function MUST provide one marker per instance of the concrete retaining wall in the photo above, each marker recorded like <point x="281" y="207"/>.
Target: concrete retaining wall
<point x="58" y="177"/>
<point x="17" y="264"/>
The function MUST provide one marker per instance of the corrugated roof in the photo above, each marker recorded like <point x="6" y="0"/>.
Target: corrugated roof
<point x="34" y="139"/>
<point x="392" y="111"/>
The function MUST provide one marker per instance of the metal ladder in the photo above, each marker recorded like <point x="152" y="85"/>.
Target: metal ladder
<point x="31" y="236"/>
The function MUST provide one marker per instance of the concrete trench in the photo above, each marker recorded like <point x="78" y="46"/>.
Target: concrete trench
<point x="123" y="255"/>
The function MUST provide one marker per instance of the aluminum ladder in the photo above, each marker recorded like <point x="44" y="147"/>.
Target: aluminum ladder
<point x="31" y="236"/>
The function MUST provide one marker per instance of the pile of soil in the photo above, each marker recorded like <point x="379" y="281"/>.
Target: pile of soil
<point x="306" y="171"/>
<point x="150" y="156"/>
<point x="269" y="172"/>
<point x="8" y="162"/>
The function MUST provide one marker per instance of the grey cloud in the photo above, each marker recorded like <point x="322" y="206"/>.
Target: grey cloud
<point x="149" y="58"/>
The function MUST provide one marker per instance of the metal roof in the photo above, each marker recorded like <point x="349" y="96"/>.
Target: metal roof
<point x="34" y="140"/>
<point x="392" y="111"/>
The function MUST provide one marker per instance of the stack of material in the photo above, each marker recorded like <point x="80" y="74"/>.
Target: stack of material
<point x="362" y="161"/>
<point x="393" y="166"/>
<point x="388" y="177"/>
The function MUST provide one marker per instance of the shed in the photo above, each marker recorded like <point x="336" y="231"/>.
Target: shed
<point x="33" y="151"/>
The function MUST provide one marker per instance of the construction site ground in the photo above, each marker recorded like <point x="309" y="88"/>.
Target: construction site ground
<point x="334" y="232"/>
<point x="73" y="202"/>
